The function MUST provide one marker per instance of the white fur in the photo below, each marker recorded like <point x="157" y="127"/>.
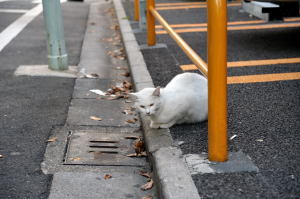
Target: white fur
<point x="183" y="100"/>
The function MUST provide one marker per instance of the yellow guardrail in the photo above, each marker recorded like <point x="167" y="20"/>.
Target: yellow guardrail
<point x="215" y="70"/>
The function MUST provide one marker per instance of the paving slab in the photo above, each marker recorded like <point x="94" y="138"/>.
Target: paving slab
<point x="83" y="86"/>
<point x="87" y="185"/>
<point x="110" y="111"/>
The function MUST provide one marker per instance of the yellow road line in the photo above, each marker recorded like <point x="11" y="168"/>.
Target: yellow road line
<point x="265" y="26"/>
<point x="205" y="24"/>
<point x="191" y="6"/>
<point x="187" y="4"/>
<point x="263" y="78"/>
<point x="291" y="19"/>
<point x="180" y="4"/>
<point x="250" y="63"/>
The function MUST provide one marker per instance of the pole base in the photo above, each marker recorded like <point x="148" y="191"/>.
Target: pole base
<point x="58" y="62"/>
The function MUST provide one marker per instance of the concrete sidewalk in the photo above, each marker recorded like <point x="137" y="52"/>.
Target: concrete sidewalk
<point x="84" y="175"/>
<point x="89" y="156"/>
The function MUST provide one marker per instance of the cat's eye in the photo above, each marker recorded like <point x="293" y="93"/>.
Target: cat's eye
<point x="142" y="106"/>
<point x="151" y="104"/>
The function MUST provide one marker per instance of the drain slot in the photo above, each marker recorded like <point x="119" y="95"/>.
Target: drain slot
<point x="99" y="152"/>
<point x="103" y="141"/>
<point x="96" y="146"/>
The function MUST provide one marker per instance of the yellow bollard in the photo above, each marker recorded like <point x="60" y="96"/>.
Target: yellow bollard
<point x="217" y="80"/>
<point x="151" y="23"/>
<point x="136" y="10"/>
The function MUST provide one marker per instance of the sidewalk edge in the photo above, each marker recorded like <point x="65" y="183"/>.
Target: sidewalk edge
<point x="171" y="174"/>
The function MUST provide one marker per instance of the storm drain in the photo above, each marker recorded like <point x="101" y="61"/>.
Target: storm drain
<point x="102" y="149"/>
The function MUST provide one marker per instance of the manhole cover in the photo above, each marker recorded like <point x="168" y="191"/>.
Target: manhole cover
<point x="103" y="149"/>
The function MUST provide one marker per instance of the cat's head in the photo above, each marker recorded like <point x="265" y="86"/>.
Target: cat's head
<point x="147" y="101"/>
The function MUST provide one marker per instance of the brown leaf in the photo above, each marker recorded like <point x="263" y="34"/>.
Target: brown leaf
<point x="127" y="85"/>
<point x="107" y="176"/>
<point x="53" y="139"/>
<point x="75" y="159"/>
<point x="147" y="197"/>
<point x="126" y="74"/>
<point x="131" y="121"/>
<point x="143" y="154"/>
<point x="132" y="155"/>
<point x="148" y="185"/>
<point x="127" y="112"/>
<point x="145" y="174"/>
<point x="139" y="145"/>
<point x="95" y="118"/>
<point x="114" y="97"/>
<point x="92" y="75"/>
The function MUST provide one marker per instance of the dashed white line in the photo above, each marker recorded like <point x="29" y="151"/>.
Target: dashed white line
<point x="13" y="11"/>
<point x="17" y="26"/>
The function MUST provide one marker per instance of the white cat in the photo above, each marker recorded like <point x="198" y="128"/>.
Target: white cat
<point x="183" y="100"/>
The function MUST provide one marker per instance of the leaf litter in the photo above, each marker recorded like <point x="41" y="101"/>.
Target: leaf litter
<point x="148" y="185"/>
<point x="95" y="118"/>
<point x="147" y="197"/>
<point x="53" y="139"/>
<point x="107" y="176"/>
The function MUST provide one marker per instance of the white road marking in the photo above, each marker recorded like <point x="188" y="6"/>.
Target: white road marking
<point x="9" y="33"/>
<point x="4" y="0"/>
<point x="17" y="26"/>
<point x="40" y="1"/>
<point x="44" y="71"/>
<point x="13" y="10"/>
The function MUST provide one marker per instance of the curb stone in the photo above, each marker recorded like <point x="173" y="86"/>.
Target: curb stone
<point x="171" y="174"/>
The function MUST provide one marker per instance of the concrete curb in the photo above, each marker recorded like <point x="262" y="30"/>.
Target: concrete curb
<point x="171" y="174"/>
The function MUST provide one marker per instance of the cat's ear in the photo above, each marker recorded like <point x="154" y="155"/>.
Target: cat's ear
<point x="133" y="96"/>
<point x="156" y="92"/>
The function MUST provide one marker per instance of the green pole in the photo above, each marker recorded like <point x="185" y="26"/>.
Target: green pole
<point x="57" y="56"/>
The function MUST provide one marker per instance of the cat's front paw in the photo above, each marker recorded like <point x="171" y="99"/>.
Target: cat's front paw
<point x="154" y="125"/>
<point x="165" y="126"/>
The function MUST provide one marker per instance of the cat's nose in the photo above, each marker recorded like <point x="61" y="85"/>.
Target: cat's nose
<point x="148" y="112"/>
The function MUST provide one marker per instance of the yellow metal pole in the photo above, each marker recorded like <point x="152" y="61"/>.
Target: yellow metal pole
<point x="151" y="23"/>
<point x="196" y="59"/>
<point x="217" y="80"/>
<point x="136" y="10"/>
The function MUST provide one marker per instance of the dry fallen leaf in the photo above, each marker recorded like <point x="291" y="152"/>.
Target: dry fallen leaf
<point x="143" y="154"/>
<point x="95" y="118"/>
<point x="145" y="174"/>
<point x="53" y="139"/>
<point x="127" y="85"/>
<point x="139" y="145"/>
<point x="75" y="159"/>
<point x="147" y="186"/>
<point x="232" y="137"/>
<point x="147" y="197"/>
<point x="131" y="121"/>
<point x="92" y="75"/>
<point x="127" y="112"/>
<point x="126" y="74"/>
<point x="107" y="176"/>
<point x="132" y="155"/>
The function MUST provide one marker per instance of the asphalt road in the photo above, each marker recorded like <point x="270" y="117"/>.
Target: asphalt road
<point x="31" y="106"/>
<point x="264" y="115"/>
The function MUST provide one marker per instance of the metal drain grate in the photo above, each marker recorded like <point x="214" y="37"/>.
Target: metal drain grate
<point x="102" y="149"/>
